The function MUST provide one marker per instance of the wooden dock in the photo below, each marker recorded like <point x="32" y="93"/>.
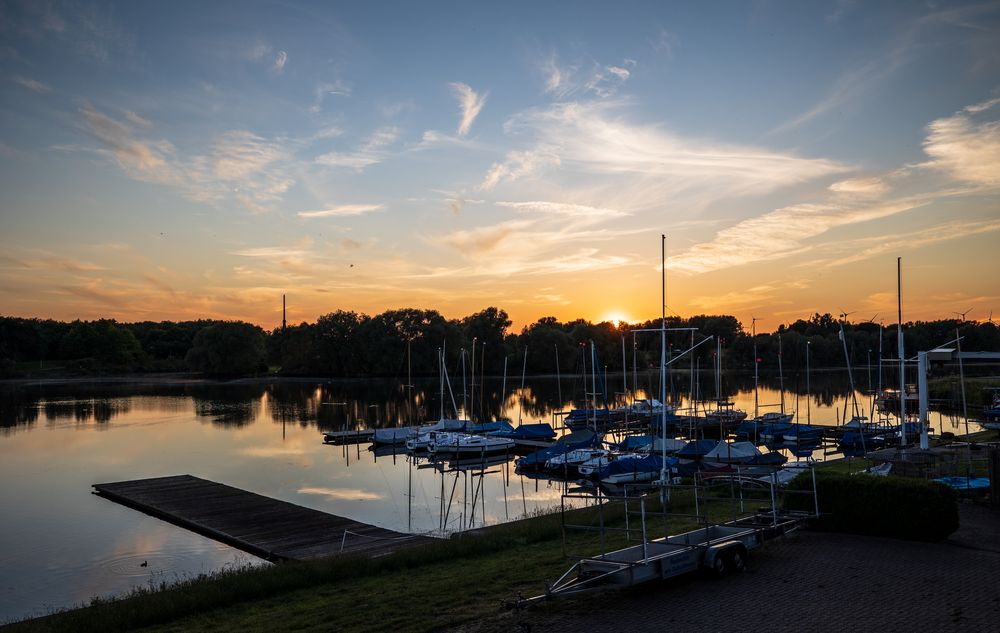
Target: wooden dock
<point x="269" y="528"/>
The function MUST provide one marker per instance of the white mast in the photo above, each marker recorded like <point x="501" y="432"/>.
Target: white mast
<point x="558" y="377"/>
<point x="441" y="377"/>
<point x="624" y="374"/>
<point x="808" y="390"/>
<point x="520" y="401"/>
<point x="902" y="355"/>
<point x="663" y="360"/>
<point x="781" y="376"/>
<point x="753" y="334"/>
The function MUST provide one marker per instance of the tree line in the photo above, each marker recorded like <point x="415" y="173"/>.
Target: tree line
<point x="407" y="341"/>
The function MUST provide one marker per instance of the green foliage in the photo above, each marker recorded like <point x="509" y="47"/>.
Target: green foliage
<point x="104" y="340"/>
<point x="228" y="348"/>
<point x="346" y="343"/>
<point x="897" y="507"/>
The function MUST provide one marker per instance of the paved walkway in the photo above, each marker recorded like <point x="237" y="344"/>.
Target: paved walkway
<point x="809" y="581"/>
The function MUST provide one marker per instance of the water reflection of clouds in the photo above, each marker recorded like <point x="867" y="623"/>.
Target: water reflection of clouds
<point x="341" y="494"/>
<point x="272" y="451"/>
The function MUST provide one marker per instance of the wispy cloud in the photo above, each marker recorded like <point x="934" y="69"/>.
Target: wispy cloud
<point x="665" y="43"/>
<point x="546" y="238"/>
<point x="780" y="233"/>
<point x="965" y="149"/>
<point x="372" y="151"/>
<point x="872" y="186"/>
<point x="868" y="247"/>
<point x="32" y="85"/>
<point x="143" y="159"/>
<point x="279" y="61"/>
<point x="337" y="88"/>
<point x="253" y="170"/>
<point x="517" y="165"/>
<point x="647" y="163"/>
<point x="340" y="494"/>
<point x="603" y="80"/>
<point x="137" y="120"/>
<point x="470" y="104"/>
<point x="575" y="211"/>
<point x="342" y="211"/>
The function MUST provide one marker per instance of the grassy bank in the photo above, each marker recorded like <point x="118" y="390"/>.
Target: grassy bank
<point x="444" y="584"/>
<point x="452" y="581"/>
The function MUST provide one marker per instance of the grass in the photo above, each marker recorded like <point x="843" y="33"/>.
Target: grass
<point x="451" y="583"/>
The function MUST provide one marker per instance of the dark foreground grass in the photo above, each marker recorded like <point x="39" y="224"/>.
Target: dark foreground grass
<point x="424" y="588"/>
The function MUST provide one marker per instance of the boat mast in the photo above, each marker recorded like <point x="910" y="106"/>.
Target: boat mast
<point x="503" y="387"/>
<point x="624" y="373"/>
<point x="472" y="391"/>
<point x="663" y="360"/>
<point x="520" y="401"/>
<point x="465" y="402"/>
<point x="635" y="380"/>
<point x="902" y="355"/>
<point x="482" y="382"/>
<point x="850" y="375"/>
<point x="441" y="378"/>
<point x="781" y="376"/>
<point x="409" y="384"/>
<point x="753" y="330"/>
<point x="808" y="390"/>
<point x="880" y="357"/>
<point x="718" y="389"/>
<point x="558" y="378"/>
<point x="593" y="382"/>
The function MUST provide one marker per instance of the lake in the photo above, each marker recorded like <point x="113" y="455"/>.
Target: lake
<point x="60" y="545"/>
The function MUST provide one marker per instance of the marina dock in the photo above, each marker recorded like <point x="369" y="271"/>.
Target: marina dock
<point x="269" y="528"/>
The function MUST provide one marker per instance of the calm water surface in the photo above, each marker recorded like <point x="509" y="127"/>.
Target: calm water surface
<point x="60" y="545"/>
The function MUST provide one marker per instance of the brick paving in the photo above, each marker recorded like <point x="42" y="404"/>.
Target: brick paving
<point x="809" y="581"/>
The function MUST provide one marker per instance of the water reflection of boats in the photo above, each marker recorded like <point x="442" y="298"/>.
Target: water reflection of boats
<point x="991" y="412"/>
<point x="887" y="400"/>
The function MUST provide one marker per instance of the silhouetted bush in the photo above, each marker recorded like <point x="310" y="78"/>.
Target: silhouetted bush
<point x="897" y="507"/>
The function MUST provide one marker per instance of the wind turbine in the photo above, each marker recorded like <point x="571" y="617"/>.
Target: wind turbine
<point x="962" y="314"/>
<point x="844" y="314"/>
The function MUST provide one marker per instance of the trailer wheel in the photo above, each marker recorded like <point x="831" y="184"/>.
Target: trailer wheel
<point x="738" y="560"/>
<point x="719" y="566"/>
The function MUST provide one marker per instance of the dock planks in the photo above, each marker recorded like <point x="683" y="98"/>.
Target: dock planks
<point x="269" y="528"/>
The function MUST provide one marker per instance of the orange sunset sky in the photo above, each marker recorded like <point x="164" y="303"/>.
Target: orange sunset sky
<point x="158" y="167"/>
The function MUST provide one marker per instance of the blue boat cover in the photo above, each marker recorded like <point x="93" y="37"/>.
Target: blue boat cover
<point x="566" y="443"/>
<point x="965" y="483"/>
<point x="696" y="448"/>
<point x="648" y="464"/>
<point x="542" y="431"/>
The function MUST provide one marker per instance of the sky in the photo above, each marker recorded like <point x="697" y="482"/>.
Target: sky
<point x="198" y="160"/>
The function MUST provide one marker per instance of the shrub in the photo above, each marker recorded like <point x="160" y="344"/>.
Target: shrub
<point x="897" y="507"/>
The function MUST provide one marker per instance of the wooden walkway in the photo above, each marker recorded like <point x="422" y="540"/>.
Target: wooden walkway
<point x="265" y="527"/>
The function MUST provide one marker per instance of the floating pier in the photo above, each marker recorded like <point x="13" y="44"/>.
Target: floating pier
<point x="269" y="528"/>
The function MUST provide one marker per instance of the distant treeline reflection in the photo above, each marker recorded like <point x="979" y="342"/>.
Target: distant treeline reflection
<point x="397" y="343"/>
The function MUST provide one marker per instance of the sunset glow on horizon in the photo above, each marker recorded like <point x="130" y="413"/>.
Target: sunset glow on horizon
<point x="200" y="161"/>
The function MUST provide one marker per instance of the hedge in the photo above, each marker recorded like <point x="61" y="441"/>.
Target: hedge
<point x="896" y="507"/>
